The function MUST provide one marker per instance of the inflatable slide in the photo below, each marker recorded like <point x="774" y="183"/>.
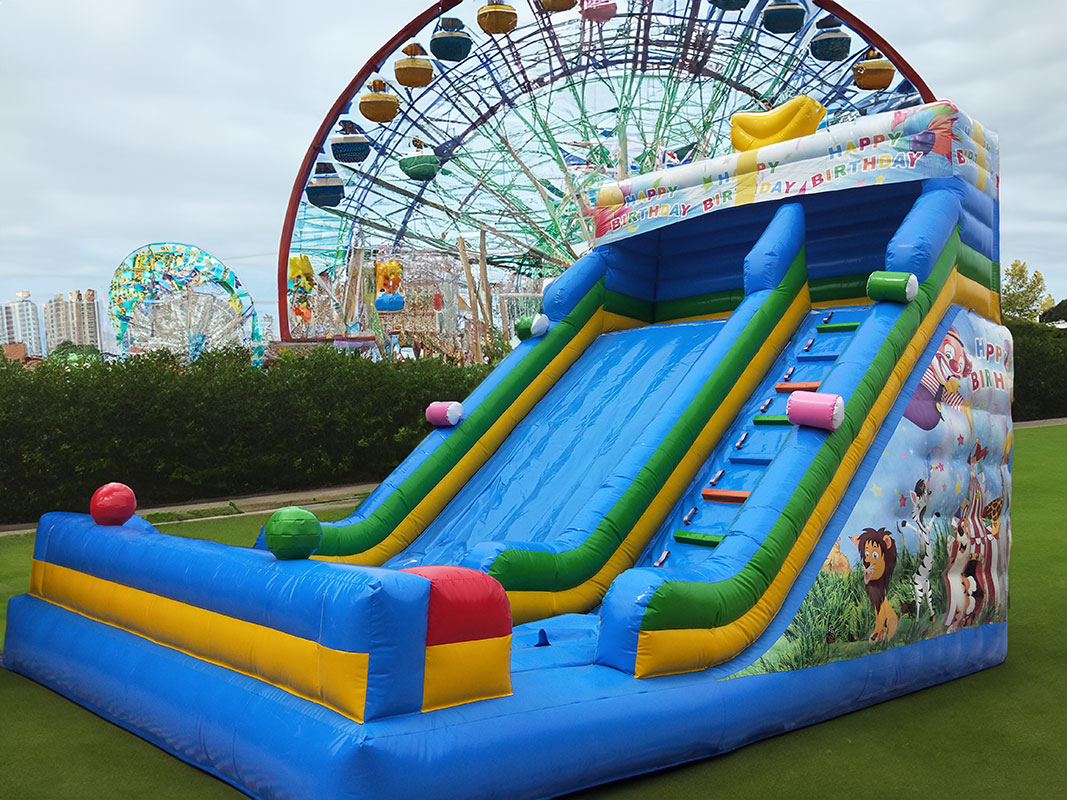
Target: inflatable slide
<point x="754" y="474"/>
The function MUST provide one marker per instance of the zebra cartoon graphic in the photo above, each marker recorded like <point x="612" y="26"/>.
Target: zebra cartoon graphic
<point x="920" y="502"/>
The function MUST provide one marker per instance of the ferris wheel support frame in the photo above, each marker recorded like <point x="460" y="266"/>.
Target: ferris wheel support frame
<point x="435" y="10"/>
<point x="373" y="65"/>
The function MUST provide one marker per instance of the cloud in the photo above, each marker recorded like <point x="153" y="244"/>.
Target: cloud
<point x="138" y="122"/>
<point x="126" y="123"/>
<point x="1004" y="67"/>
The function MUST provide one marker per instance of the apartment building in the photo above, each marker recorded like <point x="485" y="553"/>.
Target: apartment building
<point x="74" y="318"/>
<point x="20" y="321"/>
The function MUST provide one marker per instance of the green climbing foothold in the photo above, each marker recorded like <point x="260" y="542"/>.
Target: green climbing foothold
<point x="292" y="533"/>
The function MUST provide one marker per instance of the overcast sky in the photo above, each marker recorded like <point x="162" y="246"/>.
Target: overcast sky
<point x="124" y="122"/>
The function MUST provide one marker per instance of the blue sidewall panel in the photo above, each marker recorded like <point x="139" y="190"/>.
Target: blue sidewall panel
<point x="235" y="727"/>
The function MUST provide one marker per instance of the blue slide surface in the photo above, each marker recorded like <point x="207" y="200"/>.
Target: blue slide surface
<point x="542" y="476"/>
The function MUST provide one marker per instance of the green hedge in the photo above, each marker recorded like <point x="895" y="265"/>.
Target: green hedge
<point x="1040" y="367"/>
<point x="222" y="427"/>
<point x="217" y="428"/>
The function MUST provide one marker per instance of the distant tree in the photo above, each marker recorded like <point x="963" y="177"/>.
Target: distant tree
<point x="68" y="352"/>
<point x="1023" y="295"/>
<point x="1058" y="313"/>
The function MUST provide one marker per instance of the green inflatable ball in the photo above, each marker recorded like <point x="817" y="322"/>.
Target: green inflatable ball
<point x="293" y="532"/>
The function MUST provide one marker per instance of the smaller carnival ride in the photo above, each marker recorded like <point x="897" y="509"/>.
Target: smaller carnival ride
<point x="177" y="297"/>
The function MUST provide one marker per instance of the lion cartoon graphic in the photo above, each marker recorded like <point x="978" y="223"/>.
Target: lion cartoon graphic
<point x="879" y="554"/>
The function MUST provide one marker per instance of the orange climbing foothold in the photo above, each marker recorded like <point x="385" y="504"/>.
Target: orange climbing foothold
<point x="725" y="495"/>
<point x="785" y="387"/>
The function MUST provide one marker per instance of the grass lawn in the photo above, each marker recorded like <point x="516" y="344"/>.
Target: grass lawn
<point x="998" y="733"/>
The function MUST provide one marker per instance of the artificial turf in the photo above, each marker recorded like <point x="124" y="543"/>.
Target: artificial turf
<point x="998" y="733"/>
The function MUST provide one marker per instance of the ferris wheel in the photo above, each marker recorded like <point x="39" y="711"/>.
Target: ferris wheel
<point x="506" y="127"/>
<point x="179" y="298"/>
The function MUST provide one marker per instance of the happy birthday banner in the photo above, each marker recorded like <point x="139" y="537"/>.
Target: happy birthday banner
<point x="935" y="140"/>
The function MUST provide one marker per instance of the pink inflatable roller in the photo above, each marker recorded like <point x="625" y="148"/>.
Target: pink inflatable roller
<point x="444" y="413"/>
<point x="816" y="409"/>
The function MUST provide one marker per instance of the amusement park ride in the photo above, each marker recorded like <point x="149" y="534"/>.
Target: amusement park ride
<point x="503" y="132"/>
<point x="176" y="297"/>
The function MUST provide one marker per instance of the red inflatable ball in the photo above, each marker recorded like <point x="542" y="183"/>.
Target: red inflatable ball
<point x="112" y="504"/>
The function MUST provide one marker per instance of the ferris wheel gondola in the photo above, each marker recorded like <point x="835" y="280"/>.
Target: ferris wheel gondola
<point x="784" y="16"/>
<point x="450" y="42"/>
<point x="830" y="43"/>
<point x="421" y="164"/>
<point x="350" y="145"/>
<point x="414" y="70"/>
<point x="599" y="11"/>
<point x="325" y="188"/>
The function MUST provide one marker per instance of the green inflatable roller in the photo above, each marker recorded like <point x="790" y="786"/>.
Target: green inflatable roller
<point x="531" y="326"/>
<point x="896" y="287"/>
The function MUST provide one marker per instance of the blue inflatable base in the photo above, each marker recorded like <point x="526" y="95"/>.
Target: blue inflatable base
<point x="566" y="727"/>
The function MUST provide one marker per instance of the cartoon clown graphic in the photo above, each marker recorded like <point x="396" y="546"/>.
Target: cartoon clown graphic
<point x="940" y="383"/>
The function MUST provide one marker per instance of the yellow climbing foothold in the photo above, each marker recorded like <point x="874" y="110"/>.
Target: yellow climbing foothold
<point x="799" y="117"/>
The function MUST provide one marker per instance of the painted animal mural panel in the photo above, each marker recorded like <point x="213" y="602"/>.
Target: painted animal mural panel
<point x="924" y="550"/>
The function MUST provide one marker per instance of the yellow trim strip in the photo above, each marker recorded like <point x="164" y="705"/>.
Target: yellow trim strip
<point x="846" y="301"/>
<point x="618" y="322"/>
<point x="747" y="168"/>
<point x="526" y="605"/>
<point x="698" y="318"/>
<point x="974" y="296"/>
<point x="333" y="678"/>
<point x="673" y="651"/>
<point x="437" y="498"/>
<point x="983" y="168"/>
<point x="463" y="672"/>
